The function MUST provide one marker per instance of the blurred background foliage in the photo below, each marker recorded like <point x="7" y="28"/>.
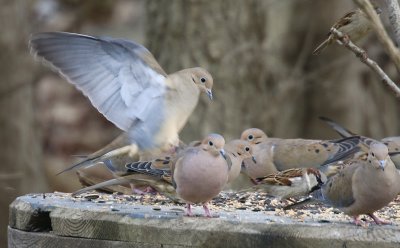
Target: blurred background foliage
<point x="258" y="51"/>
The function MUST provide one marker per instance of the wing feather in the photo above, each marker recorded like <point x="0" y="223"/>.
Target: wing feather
<point x="121" y="78"/>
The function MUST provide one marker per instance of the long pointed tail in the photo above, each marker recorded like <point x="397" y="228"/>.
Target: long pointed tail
<point x="342" y="131"/>
<point x="321" y="47"/>
<point x="129" y="150"/>
<point x="309" y="200"/>
<point x="115" y="181"/>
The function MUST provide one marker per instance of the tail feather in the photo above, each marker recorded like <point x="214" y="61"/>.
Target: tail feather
<point x="146" y="168"/>
<point x="87" y="162"/>
<point x="347" y="147"/>
<point x="342" y="131"/>
<point x="115" y="181"/>
<point x="92" y="160"/>
<point x="321" y="47"/>
<point x="315" y="197"/>
<point x="307" y="201"/>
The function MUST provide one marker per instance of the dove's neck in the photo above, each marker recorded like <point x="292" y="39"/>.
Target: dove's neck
<point x="185" y="95"/>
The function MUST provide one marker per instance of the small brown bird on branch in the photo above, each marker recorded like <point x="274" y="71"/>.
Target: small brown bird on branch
<point x="355" y="25"/>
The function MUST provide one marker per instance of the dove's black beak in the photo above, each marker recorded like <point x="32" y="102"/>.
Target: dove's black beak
<point x="209" y="94"/>
<point x="382" y="164"/>
<point x="254" y="159"/>
<point x="223" y="153"/>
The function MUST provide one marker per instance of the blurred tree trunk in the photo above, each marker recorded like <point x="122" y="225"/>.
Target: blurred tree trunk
<point x="259" y="53"/>
<point x="20" y="151"/>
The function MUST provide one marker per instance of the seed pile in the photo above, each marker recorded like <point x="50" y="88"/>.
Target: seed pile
<point x="237" y="202"/>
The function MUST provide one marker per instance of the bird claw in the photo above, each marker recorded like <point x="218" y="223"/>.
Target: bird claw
<point x="379" y="221"/>
<point x="363" y="56"/>
<point x="207" y="211"/>
<point x="358" y="222"/>
<point x="138" y="191"/>
<point x="189" y="210"/>
<point x="345" y="39"/>
<point x="150" y="190"/>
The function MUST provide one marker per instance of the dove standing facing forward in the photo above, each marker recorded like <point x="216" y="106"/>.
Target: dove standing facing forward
<point x="363" y="187"/>
<point x="354" y="24"/>
<point x="198" y="173"/>
<point x="125" y="83"/>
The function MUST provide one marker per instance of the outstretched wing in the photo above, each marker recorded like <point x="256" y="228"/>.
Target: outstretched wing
<point x="121" y="78"/>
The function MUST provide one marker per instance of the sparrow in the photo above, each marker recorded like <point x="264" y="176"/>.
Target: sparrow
<point x="355" y="25"/>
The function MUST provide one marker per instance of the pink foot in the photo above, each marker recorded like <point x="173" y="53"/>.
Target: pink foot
<point x="150" y="190"/>
<point x="189" y="210"/>
<point x="206" y="211"/>
<point x="345" y="39"/>
<point x="379" y="221"/>
<point x="138" y="191"/>
<point x="358" y="222"/>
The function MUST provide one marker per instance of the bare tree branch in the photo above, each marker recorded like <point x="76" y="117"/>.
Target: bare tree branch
<point x="383" y="37"/>
<point x="364" y="58"/>
<point x="394" y="17"/>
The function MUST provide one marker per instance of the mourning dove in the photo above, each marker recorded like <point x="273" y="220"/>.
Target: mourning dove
<point x="236" y="151"/>
<point x="121" y="178"/>
<point x="274" y="154"/>
<point x="125" y="83"/>
<point x="290" y="183"/>
<point x="198" y="173"/>
<point x="393" y="143"/>
<point x="137" y="181"/>
<point x="363" y="187"/>
<point x="116" y="163"/>
<point x="354" y="24"/>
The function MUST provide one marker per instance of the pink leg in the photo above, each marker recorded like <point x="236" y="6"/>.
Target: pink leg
<point x="150" y="190"/>
<point x="189" y="210"/>
<point x="357" y="220"/>
<point x="379" y="221"/>
<point x="138" y="192"/>
<point x="135" y="190"/>
<point x="206" y="211"/>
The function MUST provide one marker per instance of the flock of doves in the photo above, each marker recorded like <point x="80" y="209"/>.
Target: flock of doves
<point x="125" y="83"/>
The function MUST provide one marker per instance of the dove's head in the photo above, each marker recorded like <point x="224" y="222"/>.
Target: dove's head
<point x="203" y="79"/>
<point x="378" y="155"/>
<point x="241" y="148"/>
<point x="254" y="135"/>
<point x="214" y="143"/>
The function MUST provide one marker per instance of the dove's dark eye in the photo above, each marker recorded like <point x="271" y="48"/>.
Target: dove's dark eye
<point x="250" y="137"/>
<point x="203" y="80"/>
<point x="247" y="149"/>
<point x="373" y="155"/>
<point x="210" y="143"/>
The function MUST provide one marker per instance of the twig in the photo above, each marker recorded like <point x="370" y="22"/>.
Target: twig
<point x="364" y="58"/>
<point x="383" y="37"/>
<point x="394" y="17"/>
